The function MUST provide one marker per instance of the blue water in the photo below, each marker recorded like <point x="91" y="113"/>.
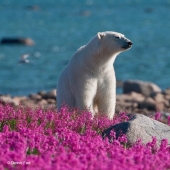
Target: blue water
<point x="59" y="27"/>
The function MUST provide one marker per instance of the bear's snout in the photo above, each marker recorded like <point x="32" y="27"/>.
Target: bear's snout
<point x="127" y="44"/>
<point x="130" y="43"/>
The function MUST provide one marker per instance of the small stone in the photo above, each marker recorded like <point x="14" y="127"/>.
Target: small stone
<point x="28" y="102"/>
<point x="148" y="103"/>
<point x="6" y="99"/>
<point x="42" y="93"/>
<point x="167" y="96"/>
<point x="50" y="95"/>
<point x="160" y="98"/>
<point x="166" y="92"/>
<point x="35" y="97"/>
<point x="42" y="102"/>
<point x="22" y="97"/>
<point x="51" y="101"/>
<point x="16" y="101"/>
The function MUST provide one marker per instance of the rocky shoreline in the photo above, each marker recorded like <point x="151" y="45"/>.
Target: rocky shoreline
<point x="138" y="97"/>
<point x="43" y="99"/>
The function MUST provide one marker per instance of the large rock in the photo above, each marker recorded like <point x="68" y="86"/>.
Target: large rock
<point x="17" y="41"/>
<point x="145" y="88"/>
<point x="141" y="127"/>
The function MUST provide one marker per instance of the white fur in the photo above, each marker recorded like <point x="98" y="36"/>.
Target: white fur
<point x="88" y="81"/>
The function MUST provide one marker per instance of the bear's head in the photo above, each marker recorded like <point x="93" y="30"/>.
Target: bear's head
<point x="114" y="42"/>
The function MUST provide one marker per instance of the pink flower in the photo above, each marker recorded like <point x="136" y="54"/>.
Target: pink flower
<point x="169" y="120"/>
<point x="42" y="139"/>
<point x="157" y="116"/>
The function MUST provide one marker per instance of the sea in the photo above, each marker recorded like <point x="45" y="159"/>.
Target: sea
<point x="60" y="27"/>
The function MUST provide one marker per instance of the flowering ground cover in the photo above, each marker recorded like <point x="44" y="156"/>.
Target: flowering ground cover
<point x="44" y="139"/>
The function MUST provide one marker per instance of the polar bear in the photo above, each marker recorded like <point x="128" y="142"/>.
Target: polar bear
<point x="88" y="81"/>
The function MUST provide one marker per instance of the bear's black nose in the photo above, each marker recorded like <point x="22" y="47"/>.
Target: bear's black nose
<point x="130" y="43"/>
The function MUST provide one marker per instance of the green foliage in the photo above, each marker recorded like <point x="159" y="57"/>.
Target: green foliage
<point x="33" y="152"/>
<point x="12" y="124"/>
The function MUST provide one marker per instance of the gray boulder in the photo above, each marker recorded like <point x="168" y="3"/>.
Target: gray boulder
<point x="141" y="127"/>
<point x="145" y="88"/>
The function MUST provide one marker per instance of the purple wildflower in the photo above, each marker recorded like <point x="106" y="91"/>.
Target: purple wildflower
<point x="39" y="139"/>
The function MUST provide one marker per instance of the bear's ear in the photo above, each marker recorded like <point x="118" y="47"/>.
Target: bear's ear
<point x="100" y="35"/>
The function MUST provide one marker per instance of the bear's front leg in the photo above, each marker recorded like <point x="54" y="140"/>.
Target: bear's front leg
<point x="106" y="105"/>
<point x="84" y="101"/>
<point x="85" y="95"/>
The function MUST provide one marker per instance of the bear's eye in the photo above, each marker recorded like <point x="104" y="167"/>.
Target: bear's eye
<point x="117" y="37"/>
